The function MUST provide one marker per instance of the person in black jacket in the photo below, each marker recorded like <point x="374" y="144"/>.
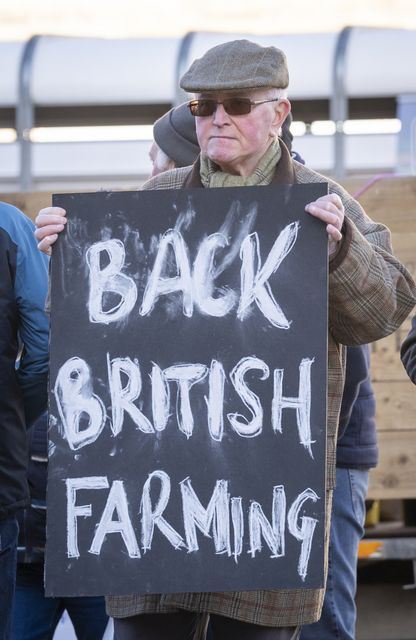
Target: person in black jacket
<point x="23" y="379"/>
<point x="24" y="330"/>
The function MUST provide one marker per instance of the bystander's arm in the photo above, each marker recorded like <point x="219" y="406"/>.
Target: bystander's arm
<point x="29" y="288"/>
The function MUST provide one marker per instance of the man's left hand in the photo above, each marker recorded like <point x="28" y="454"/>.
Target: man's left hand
<point x="329" y="209"/>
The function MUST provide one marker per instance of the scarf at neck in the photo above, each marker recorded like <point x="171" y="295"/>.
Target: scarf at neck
<point x="212" y="176"/>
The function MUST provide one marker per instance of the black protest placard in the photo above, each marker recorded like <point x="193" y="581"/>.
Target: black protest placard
<point x="188" y="379"/>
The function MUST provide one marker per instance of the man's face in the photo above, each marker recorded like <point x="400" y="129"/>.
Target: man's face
<point x="236" y="143"/>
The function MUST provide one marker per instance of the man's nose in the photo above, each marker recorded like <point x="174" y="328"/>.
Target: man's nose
<point x="220" y="115"/>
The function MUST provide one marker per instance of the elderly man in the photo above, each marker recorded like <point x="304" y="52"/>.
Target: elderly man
<point x="240" y="104"/>
<point x="176" y="145"/>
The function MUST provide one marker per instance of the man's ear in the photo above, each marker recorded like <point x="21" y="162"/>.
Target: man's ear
<point x="282" y="110"/>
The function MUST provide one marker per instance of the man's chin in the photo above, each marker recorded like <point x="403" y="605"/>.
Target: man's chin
<point x="220" y="156"/>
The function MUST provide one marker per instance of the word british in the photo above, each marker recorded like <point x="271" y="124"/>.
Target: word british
<point x="75" y="398"/>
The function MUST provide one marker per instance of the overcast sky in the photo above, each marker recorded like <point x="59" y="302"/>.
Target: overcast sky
<point x="19" y="19"/>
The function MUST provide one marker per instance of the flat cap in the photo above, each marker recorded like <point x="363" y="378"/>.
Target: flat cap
<point x="175" y="134"/>
<point x="240" y="64"/>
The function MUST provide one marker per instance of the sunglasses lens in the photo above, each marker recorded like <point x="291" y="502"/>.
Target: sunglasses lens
<point x="237" y="106"/>
<point x="207" y="107"/>
<point x="202" y="108"/>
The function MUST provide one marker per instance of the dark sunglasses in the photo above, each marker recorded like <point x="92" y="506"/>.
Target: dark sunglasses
<point x="233" y="106"/>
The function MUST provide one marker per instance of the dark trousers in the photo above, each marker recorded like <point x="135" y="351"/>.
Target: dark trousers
<point x="8" y="551"/>
<point x="36" y="616"/>
<point x="182" y="626"/>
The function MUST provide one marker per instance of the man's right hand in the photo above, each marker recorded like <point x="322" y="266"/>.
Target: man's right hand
<point x="49" y="223"/>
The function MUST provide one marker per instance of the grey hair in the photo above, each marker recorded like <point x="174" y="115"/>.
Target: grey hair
<point x="163" y="161"/>
<point x="273" y="92"/>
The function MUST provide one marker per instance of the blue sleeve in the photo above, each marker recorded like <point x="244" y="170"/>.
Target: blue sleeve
<point x="30" y="288"/>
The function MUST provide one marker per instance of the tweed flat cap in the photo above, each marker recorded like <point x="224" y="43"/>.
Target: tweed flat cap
<point x="239" y="64"/>
<point x="175" y="134"/>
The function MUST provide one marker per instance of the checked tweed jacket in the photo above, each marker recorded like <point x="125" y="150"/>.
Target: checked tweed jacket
<point x="370" y="294"/>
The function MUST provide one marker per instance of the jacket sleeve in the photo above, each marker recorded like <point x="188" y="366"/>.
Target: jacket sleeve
<point x="30" y="287"/>
<point x="408" y="352"/>
<point x="370" y="291"/>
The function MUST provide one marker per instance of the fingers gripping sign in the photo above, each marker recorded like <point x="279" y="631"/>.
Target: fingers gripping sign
<point x="329" y="209"/>
<point x="49" y="223"/>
